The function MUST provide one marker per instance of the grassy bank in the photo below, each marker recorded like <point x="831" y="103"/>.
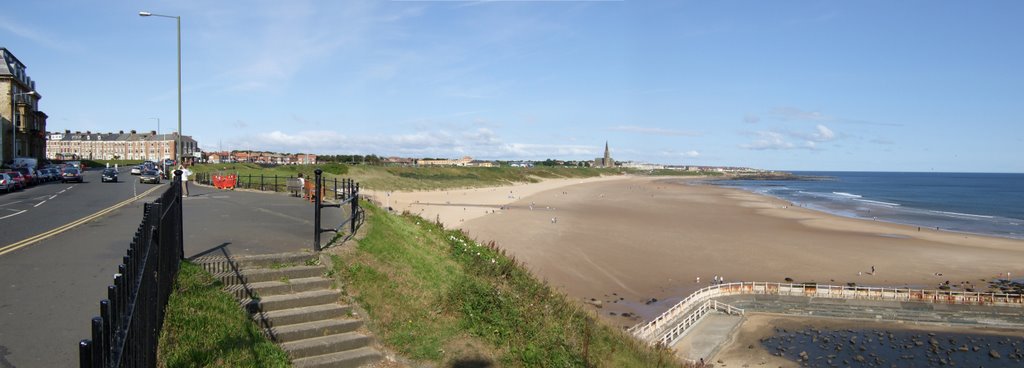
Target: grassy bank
<point x="435" y="296"/>
<point x="413" y="178"/>
<point x="205" y="327"/>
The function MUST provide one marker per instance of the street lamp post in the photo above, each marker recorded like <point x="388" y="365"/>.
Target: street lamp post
<point x="177" y="140"/>
<point x="14" y="121"/>
<point x="157" y="125"/>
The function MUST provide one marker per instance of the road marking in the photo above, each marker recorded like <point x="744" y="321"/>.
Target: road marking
<point x="37" y="204"/>
<point x="62" y="192"/>
<point x="47" y="234"/>
<point x="53" y="196"/>
<point x="8" y="204"/>
<point x="14" y="214"/>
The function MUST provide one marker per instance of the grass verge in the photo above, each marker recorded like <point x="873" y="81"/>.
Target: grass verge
<point x="408" y="178"/>
<point x="205" y="327"/>
<point x="436" y="296"/>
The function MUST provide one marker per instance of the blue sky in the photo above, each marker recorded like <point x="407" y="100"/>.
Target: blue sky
<point x="790" y="85"/>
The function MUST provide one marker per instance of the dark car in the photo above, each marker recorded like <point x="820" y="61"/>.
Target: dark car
<point x="109" y="175"/>
<point x="71" y="174"/>
<point x="18" y="179"/>
<point x="150" y="176"/>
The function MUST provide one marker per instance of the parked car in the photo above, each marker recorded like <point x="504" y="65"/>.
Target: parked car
<point x="136" y="170"/>
<point x="18" y="179"/>
<point x="29" y="175"/>
<point x="150" y="176"/>
<point x="7" y="183"/>
<point x="109" y="175"/>
<point x="55" y="173"/>
<point x="71" y="174"/>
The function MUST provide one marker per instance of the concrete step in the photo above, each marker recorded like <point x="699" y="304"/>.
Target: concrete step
<point x="299" y="331"/>
<point x="300" y="315"/>
<point x="287" y="301"/>
<point x="268" y="288"/>
<point x="325" y="345"/>
<point x="346" y="359"/>
<point x="269" y="274"/>
<point x="219" y="264"/>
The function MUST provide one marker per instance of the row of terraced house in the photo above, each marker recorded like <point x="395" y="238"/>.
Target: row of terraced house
<point x="266" y="158"/>
<point x="132" y="145"/>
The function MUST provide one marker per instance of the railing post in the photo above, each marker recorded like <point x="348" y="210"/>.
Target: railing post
<point x="261" y="182"/>
<point x="316" y="209"/>
<point x="275" y="183"/>
<point x="355" y="208"/>
<point x="85" y="354"/>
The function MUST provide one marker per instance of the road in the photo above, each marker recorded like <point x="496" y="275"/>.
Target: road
<point x="51" y="288"/>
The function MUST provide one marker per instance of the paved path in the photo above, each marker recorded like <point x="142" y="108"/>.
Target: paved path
<point x="707" y="336"/>
<point x="50" y="290"/>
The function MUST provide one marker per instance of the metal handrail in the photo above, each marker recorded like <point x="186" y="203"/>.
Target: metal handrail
<point x="645" y="331"/>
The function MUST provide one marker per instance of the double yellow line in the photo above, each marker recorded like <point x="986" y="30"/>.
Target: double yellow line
<point x="21" y="244"/>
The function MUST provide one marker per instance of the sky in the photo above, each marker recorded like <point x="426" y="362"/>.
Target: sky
<point x="783" y="85"/>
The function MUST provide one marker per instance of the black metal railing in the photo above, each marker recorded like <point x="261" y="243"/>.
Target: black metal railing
<point x="347" y="194"/>
<point x="268" y="183"/>
<point x="127" y="331"/>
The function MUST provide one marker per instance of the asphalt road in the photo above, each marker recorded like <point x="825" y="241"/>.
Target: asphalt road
<point x="50" y="289"/>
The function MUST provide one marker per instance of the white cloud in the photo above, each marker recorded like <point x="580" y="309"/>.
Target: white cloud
<point x="793" y="113"/>
<point x="751" y="119"/>
<point x="37" y="37"/>
<point x="768" y="140"/>
<point x="823" y="134"/>
<point x="481" y="143"/>
<point x="652" y="131"/>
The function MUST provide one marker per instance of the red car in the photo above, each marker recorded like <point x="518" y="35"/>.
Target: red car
<point x="30" y="177"/>
<point x="18" y="179"/>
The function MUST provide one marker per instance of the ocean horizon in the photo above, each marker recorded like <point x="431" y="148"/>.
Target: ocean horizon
<point x="976" y="203"/>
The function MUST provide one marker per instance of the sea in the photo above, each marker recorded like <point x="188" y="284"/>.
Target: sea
<point x="976" y="203"/>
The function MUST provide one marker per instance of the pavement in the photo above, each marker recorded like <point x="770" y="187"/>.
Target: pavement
<point x="50" y="290"/>
<point x="706" y="337"/>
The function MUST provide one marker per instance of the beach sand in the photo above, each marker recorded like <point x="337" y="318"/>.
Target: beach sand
<point x="626" y="241"/>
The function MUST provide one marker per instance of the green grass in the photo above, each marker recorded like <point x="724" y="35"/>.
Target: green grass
<point x="438" y="297"/>
<point x="205" y="327"/>
<point x="425" y="178"/>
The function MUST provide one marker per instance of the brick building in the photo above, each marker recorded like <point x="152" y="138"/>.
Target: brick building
<point x="117" y="146"/>
<point x="22" y="125"/>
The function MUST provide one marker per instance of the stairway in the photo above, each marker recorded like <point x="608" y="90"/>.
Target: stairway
<point x="296" y="306"/>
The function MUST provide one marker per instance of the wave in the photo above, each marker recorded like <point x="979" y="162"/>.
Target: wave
<point x="848" y="195"/>
<point x="958" y="214"/>
<point x="879" y="202"/>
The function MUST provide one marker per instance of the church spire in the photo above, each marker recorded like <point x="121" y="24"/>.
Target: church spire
<point x="607" y="154"/>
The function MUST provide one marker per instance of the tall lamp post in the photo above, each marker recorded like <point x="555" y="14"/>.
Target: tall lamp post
<point x="177" y="140"/>
<point x="14" y="129"/>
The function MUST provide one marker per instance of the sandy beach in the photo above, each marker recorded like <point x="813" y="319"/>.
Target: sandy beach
<point x="638" y="244"/>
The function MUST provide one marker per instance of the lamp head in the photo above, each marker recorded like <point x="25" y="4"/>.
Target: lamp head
<point x="145" y="13"/>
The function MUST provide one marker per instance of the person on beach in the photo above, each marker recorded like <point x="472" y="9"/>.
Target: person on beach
<point x="872" y="269"/>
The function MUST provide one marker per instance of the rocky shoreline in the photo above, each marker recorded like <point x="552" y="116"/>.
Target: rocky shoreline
<point x="814" y="347"/>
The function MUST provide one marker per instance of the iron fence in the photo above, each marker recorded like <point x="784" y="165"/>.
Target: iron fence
<point x="127" y="331"/>
<point x="348" y="194"/>
<point x="275" y="183"/>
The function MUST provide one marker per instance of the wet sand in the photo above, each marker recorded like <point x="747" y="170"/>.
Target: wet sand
<point x="638" y="244"/>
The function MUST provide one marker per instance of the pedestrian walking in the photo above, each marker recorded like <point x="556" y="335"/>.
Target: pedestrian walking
<point x="185" y="173"/>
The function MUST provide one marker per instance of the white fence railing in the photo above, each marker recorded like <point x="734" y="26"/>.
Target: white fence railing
<point x="668" y="326"/>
